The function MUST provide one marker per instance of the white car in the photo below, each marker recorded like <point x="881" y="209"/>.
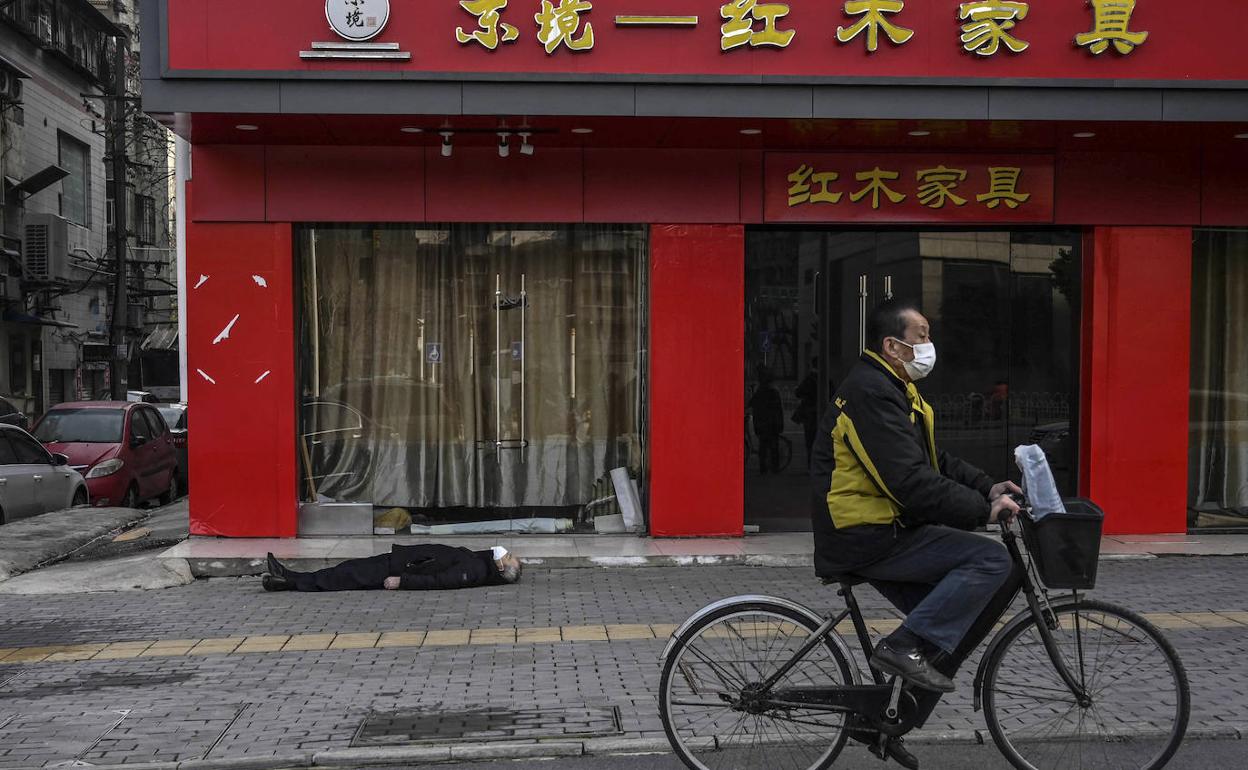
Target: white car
<point x="32" y="481"/>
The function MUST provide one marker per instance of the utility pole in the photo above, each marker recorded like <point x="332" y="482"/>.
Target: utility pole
<point x="119" y="365"/>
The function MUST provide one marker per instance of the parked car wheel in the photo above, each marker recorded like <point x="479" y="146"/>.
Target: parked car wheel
<point x="172" y="493"/>
<point x="131" y="500"/>
<point x="80" y="497"/>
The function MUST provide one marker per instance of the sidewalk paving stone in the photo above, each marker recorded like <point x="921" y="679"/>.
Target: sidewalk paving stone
<point x="554" y="640"/>
<point x="401" y="639"/>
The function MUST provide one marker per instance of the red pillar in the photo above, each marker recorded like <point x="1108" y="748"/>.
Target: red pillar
<point x="697" y="377"/>
<point x="1136" y="376"/>
<point x="241" y="372"/>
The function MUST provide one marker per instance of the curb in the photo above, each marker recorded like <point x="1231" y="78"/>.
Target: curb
<point x="250" y="566"/>
<point x="386" y="756"/>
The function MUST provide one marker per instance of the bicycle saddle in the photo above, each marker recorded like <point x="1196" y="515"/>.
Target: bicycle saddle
<point x="848" y="581"/>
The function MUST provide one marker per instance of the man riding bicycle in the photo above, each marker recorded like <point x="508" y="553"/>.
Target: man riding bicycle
<point x="896" y="510"/>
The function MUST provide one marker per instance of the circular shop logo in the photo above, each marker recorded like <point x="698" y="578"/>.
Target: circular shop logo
<point x="357" y="20"/>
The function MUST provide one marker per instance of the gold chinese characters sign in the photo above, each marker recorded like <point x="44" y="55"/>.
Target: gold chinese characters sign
<point x="920" y="188"/>
<point x="987" y="27"/>
<point x="962" y="41"/>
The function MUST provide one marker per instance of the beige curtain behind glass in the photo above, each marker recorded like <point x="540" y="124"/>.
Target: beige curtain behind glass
<point x="1218" y="476"/>
<point x="489" y="367"/>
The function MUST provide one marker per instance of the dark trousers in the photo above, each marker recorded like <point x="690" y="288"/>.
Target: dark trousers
<point x="942" y="578"/>
<point x="351" y="575"/>
<point x="909" y="597"/>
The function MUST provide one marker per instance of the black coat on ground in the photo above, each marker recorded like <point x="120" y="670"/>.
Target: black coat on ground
<point x="425" y="567"/>
<point x="434" y="566"/>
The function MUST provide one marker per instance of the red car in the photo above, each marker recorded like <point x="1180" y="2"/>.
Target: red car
<point x="123" y="449"/>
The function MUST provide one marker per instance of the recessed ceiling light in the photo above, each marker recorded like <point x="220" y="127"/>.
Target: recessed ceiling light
<point x="582" y="130"/>
<point x="1241" y="136"/>
<point x="412" y="130"/>
<point x="247" y="127"/>
<point x="920" y="133"/>
<point x="1084" y="134"/>
<point x="751" y="131"/>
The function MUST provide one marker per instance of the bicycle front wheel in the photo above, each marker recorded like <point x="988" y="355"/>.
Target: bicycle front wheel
<point x="717" y="665"/>
<point x="1136" y="712"/>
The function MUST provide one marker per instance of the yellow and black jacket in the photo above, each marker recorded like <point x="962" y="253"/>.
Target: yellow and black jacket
<point x="877" y="472"/>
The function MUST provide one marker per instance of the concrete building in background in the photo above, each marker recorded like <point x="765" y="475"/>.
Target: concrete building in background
<point x="57" y="209"/>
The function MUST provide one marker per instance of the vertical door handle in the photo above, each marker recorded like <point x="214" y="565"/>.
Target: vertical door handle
<point x="524" y="355"/>
<point x="863" y="294"/>
<point x="888" y="287"/>
<point x="498" y="367"/>
<point x="814" y="300"/>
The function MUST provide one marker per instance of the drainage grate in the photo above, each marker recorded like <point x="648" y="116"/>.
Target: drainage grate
<point x="390" y="728"/>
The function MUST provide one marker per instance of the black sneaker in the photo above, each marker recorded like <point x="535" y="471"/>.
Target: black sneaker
<point x="276" y="568"/>
<point x="910" y="666"/>
<point x="275" y="583"/>
<point x="895" y="749"/>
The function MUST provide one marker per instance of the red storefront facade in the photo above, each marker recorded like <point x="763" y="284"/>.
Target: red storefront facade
<point x="699" y="131"/>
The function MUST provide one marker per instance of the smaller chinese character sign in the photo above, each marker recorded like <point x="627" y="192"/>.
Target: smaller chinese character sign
<point x="928" y="188"/>
<point x="357" y="20"/>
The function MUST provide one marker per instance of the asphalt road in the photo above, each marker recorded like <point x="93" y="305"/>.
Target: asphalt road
<point x="1195" y="755"/>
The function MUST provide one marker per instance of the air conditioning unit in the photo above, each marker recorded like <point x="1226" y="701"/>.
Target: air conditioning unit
<point x="10" y="86"/>
<point x="78" y="241"/>
<point x="46" y="247"/>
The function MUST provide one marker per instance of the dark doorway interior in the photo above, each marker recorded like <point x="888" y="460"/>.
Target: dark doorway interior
<point x="1004" y="307"/>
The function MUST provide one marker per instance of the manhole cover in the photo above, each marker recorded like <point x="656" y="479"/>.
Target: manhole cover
<point x="389" y="728"/>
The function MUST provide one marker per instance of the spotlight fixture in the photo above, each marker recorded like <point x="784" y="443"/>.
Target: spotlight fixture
<point x="504" y="149"/>
<point x="920" y="132"/>
<point x="247" y="127"/>
<point x="447" y="147"/>
<point x="751" y="131"/>
<point x="1241" y="136"/>
<point x="1084" y="134"/>
<point x="582" y="130"/>
<point x="525" y="147"/>
<point x="412" y="129"/>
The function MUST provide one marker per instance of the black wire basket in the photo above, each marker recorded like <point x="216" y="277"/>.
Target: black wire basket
<point x="1066" y="547"/>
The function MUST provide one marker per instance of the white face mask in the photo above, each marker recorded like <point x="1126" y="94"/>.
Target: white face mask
<point x="498" y="552"/>
<point x="924" y="359"/>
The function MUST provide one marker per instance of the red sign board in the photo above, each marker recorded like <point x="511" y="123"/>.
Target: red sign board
<point x="921" y="188"/>
<point x="1037" y="39"/>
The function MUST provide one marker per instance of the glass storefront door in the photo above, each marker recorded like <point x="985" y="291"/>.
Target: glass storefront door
<point x="470" y="373"/>
<point x="1218" y="445"/>
<point x="1004" y="312"/>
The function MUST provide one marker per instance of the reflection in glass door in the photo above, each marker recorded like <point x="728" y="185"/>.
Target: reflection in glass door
<point x="443" y="369"/>
<point x="1004" y="312"/>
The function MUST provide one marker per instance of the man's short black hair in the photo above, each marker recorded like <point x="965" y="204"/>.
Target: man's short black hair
<point x="888" y="319"/>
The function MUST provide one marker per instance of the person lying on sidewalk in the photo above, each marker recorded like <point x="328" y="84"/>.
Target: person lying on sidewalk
<point x="427" y="567"/>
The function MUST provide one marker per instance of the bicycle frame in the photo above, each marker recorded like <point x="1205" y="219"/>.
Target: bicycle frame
<point x="871" y="695"/>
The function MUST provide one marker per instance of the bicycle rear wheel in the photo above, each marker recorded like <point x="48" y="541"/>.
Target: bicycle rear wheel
<point x="718" y="660"/>
<point x="1138" y="704"/>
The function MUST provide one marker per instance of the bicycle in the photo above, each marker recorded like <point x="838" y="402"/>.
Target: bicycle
<point x="1067" y="682"/>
